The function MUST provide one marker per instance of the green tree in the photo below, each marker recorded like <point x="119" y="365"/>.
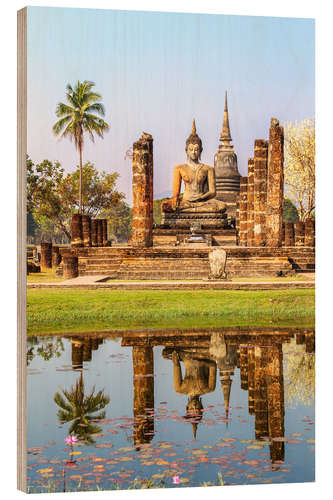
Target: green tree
<point x="299" y="166"/>
<point x="82" y="114"/>
<point x="81" y="410"/>
<point x="51" y="195"/>
<point x="299" y="374"/>
<point x="119" y="219"/>
<point x="157" y="210"/>
<point x="290" y="213"/>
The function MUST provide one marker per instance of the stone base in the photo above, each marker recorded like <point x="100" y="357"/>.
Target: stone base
<point x="185" y="220"/>
<point x="179" y="263"/>
<point x="163" y="235"/>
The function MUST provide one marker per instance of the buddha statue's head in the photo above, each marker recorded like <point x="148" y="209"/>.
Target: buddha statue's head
<point x="193" y="145"/>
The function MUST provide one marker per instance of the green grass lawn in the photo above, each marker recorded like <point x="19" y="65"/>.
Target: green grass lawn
<point x="44" y="277"/>
<point x="54" y="311"/>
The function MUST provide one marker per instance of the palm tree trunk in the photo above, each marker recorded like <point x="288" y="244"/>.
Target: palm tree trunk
<point x="80" y="187"/>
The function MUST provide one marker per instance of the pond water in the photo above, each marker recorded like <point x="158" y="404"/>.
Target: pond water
<point x="170" y="409"/>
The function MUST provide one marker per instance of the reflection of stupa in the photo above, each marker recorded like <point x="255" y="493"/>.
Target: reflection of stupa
<point x="226" y="170"/>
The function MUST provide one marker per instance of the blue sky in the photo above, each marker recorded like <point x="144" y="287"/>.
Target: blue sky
<point x="158" y="71"/>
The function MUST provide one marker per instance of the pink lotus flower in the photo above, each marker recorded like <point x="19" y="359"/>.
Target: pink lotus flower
<point x="175" y="479"/>
<point x="71" y="439"/>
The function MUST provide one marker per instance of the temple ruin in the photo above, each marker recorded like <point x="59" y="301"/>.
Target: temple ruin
<point x="241" y="214"/>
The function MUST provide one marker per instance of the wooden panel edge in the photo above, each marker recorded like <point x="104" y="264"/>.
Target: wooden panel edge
<point x="21" y="247"/>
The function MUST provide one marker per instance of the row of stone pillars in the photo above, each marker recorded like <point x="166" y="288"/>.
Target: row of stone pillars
<point x="299" y="234"/>
<point x="50" y="257"/>
<point x="260" y="201"/>
<point x="88" y="232"/>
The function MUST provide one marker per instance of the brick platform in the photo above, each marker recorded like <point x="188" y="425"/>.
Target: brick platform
<point x="176" y="263"/>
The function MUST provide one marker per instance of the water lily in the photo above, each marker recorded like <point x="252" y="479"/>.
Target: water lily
<point x="175" y="479"/>
<point x="71" y="439"/>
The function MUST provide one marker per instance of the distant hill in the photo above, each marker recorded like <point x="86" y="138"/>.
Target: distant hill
<point x="161" y="196"/>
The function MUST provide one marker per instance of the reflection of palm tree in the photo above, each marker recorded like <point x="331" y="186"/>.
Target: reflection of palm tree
<point x="79" y="409"/>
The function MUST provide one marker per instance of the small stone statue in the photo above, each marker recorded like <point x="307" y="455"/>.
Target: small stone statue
<point x="217" y="263"/>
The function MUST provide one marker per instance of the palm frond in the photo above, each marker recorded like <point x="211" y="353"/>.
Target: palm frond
<point x="97" y="106"/>
<point x="60" y="124"/>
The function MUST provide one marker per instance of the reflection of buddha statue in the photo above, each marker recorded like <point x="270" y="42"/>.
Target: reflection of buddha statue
<point x="200" y="378"/>
<point x="199" y="181"/>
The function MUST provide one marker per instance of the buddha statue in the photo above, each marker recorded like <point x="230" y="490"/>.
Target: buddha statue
<point x="199" y="180"/>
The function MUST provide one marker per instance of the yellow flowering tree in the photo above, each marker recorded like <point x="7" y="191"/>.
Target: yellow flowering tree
<point x="299" y="166"/>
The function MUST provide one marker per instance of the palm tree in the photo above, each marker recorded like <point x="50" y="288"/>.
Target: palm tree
<point x="79" y="409"/>
<point x="78" y="116"/>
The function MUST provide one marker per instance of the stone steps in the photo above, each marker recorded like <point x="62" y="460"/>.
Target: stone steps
<point x="188" y="263"/>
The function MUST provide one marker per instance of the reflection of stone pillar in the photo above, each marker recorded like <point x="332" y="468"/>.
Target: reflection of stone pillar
<point x="143" y="394"/>
<point x="142" y="165"/>
<point x="275" y="185"/>
<point x="309" y="343"/>
<point x="94" y="224"/>
<point x="250" y="377"/>
<point x="45" y="256"/>
<point x="70" y="267"/>
<point x="56" y="257"/>
<point x="76" y="231"/>
<point x="99" y="232"/>
<point x="243" y="365"/>
<point x="260" y="191"/>
<point x="77" y="353"/>
<point x="275" y="399"/>
<point x="289" y="234"/>
<point x="94" y="343"/>
<point x="300" y="338"/>
<point x="309" y="238"/>
<point x="86" y="230"/>
<point x="87" y="349"/>
<point x="299" y="233"/>
<point x="105" y="232"/>
<point x="260" y="394"/>
<point x="243" y="212"/>
<point x="250" y="198"/>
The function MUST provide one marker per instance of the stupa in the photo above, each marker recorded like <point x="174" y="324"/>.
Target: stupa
<point x="226" y="170"/>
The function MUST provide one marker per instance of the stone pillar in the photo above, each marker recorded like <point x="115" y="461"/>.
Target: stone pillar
<point x="250" y="198"/>
<point x="289" y="234"/>
<point x="299" y="233"/>
<point x="105" y="232"/>
<point x="94" y="225"/>
<point x="275" y="185"/>
<point x="309" y="239"/>
<point x="70" y="267"/>
<point x="243" y="212"/>
<point x="143" y="394"/>
<point x="76" y="231"/>
<point x="56" y="257"/>
<point x="237" y="219"/>
<point x="142" y="225"/>
<point x="45" y="256"/>
<point x="99" y="232"/>
<point x="260" y="191"/>
<point x="86" y="230"/>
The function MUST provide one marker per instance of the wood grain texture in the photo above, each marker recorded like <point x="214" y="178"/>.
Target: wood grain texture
<point x="21" y="247"/>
